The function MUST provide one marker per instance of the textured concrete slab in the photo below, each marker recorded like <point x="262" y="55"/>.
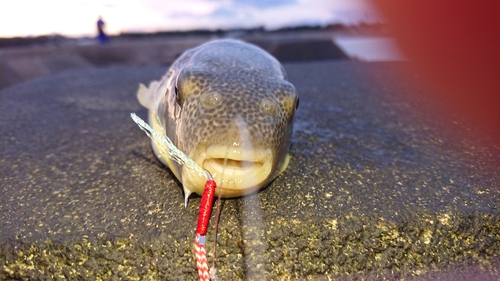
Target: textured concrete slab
<point x="375" y="189"/>
<point x="307" y="50"/>
<point x="25" y="63"/>
<point x="19" y="64"/>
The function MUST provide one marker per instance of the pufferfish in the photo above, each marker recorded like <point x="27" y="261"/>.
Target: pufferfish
<point x="228" y="106"/>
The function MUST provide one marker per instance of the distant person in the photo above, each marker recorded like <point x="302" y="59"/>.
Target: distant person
<point x="102" y="38"/>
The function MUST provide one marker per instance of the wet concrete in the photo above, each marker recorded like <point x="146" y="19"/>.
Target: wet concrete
<point x="375" y="188"/>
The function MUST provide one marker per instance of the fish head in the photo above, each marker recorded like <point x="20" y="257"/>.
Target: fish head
<point x="237" y="125"/>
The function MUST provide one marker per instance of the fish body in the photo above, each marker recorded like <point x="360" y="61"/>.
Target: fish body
<point x="228" y="106"/>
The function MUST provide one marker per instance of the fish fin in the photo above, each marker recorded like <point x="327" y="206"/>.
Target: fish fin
<point x="145" y="95"/>
<point x="186" y="196"/>
<point x="285" y="163"/>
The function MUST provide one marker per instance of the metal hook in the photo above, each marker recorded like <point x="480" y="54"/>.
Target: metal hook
<point x="209" y="176"/>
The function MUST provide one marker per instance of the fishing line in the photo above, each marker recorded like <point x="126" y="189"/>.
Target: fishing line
<point x="165" y="143"/>
<point x="218" y="209"/>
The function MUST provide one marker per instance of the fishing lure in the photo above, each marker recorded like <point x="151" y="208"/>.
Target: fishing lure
<point x="207" y="198"/>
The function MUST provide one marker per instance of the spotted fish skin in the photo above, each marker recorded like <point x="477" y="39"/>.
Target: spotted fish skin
<point x="225" y="99"/>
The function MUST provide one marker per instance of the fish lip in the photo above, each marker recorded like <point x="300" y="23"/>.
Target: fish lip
<point x="240" y="171"/>
<point x="231" y="167"/>
<point x="259" y="155"/>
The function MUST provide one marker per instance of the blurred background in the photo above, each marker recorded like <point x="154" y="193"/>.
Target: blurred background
<point x="77" y="18"/>
<point x="452" y="45"/>
<point x="40" y="38"/>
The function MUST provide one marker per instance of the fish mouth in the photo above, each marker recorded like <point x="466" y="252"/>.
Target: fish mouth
<point x="238" y="171"/>
<point x="230" y="166"/>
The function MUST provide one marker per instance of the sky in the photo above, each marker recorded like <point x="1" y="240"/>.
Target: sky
<point x="76" y="18"/>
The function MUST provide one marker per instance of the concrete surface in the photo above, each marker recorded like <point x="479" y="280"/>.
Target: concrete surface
<point x="378" y="186"/>
<point x="18" y="64"/>
<point x="25" y="63"/>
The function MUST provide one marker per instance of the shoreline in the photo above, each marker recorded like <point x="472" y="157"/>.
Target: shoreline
<point x="61" y="40"/>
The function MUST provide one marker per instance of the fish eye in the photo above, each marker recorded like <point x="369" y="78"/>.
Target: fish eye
<point x="269" y="107"/>
<point x="211" y="99"/>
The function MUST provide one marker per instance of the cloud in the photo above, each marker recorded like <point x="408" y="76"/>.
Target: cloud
<point x="263" y="4"/>
<point x="77" y="18"/>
